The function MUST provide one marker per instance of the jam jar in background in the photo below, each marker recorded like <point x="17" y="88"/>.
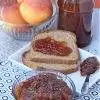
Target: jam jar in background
<point x="76" y="16"/>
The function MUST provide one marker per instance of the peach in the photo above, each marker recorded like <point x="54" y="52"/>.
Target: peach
<point x="19" y="1"/>
<point x="36" y="11"/>
<point x="97" y="3"/>
<point x="0" y="12"/>
<point x="12" y="15"/>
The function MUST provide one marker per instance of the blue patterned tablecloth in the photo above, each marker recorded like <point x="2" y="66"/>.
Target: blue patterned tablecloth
<point x="93" y="92"/>
<point x="10" y="71"/>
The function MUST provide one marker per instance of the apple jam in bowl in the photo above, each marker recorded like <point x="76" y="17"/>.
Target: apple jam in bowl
<point x="19" y="28"/>
<point x="43" y="85"/>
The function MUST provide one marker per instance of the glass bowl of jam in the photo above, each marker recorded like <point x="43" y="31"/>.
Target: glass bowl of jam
<point x="27" y="31"/>
<point x="43" y="84"/>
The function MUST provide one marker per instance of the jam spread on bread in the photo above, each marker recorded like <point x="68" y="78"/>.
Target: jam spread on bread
<point x="45" y="86"/>
<point x="51" y="47"/>
<point x="89" y="66"/>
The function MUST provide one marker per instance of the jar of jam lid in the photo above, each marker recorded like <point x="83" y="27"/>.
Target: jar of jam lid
<point x="76" y="16"/>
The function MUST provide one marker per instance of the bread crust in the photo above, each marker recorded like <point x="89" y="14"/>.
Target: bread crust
<point x="64" y="68"/>
<point x="55" y="30"/>
<point x="65" y="64"/>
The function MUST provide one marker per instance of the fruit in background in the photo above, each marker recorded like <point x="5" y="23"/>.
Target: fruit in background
<point x="0" y="12"/>
<point x="19" y="1"/>
<point x="97" y="3"/>
<point x="12" y="15"/>
<point x="36" y="11"/>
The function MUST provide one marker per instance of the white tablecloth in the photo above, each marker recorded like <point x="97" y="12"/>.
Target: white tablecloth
<point x="9" y="45"/>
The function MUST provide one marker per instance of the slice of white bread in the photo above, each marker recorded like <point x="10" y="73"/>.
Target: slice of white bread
<point x="65" y="68"/>
<point x="59" y="35"/>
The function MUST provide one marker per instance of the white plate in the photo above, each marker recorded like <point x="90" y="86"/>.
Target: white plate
<point x="76" y="76"/>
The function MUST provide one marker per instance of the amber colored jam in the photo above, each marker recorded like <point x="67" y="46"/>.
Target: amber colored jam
<point x="44" y="87"/>
<point x="76" y="16"/>
<point x="51" y="47"/>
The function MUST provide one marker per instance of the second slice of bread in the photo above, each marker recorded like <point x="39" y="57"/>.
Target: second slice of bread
<point x="65" y="68"/>
<point x="58" y="35"/>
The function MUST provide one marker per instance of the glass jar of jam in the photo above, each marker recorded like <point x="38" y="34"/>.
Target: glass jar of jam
<point x="76" y="16"/>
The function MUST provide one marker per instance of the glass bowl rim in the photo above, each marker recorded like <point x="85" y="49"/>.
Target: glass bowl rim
<point x="59" y="74"/>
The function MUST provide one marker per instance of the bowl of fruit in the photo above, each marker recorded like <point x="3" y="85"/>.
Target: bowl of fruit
<point x="22" y="19"/>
